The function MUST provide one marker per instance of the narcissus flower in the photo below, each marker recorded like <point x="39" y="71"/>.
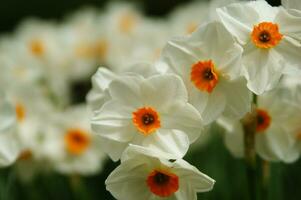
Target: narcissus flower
<point x="70" y="144"/>
<point x="209" y="63"/>
<point x="101" y="80"/>
<point x="269" y="36"/>
<point x="150" y="112"/>
<point x="274" y="131"/>
<point x="151" y="175"/>
<point x="9" y="146"/>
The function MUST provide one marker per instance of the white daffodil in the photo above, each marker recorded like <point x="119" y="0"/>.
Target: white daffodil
<point x="103" y="77"/>
<point x="151" y="112"/>
<point x="268" y="35"/>
<point x="274" y="140"/>
<point x="70" y="145"/>
<point x="209" y="63"/>
<point x="82" y="45"/>
<point x="186" y="18"/>
<point x="9" y="145"/>
<point x="151" y="175"/>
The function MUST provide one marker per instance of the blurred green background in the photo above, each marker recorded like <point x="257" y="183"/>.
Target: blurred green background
<point x="213" y="159"/>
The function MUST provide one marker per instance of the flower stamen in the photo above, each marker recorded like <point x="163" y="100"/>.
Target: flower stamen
<point x="266" y="35"/>
<point x="204" y="75"/>
<point x="77" y="141"/>
<point x="263" y="120"/>
<point x="146" y="120"/>
<point x="162" y="183"/>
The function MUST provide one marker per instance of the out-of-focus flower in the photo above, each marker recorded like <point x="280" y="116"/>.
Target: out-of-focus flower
<point x="209" y="63"/>
<point x="151" y="112"/>
<point x="70" y="145"/>
<point x="274" y="132"/>
<point x="9" y="146"/>
<point x="268" y="37"/>
<point x="151" y="175"/>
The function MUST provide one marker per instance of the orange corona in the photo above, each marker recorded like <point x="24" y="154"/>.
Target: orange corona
<point x="162" y="183"/>
<point x="37" y="47"/>
<point x="204" y="76"/>
<point x="77" y="141"/>
<point x="266" y="35"/>
<point x="146" y="120"/>
<point x="263" y="120"/>
<point x="20" y="112"/>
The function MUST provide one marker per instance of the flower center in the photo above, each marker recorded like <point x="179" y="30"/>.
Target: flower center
<point x="162" y="183"/>
<point x="37" y="47"/>
<point x="20" y="112"/>
<point x="266" y="35"/>
<point x="146" y="120"/>
<point x="77" y="141"/>
<point x="191" y="27"/>
<point x="204" y="76"/>
<point x="25" y="155"/>
<point x="127" y="22"/>
<point x="263" y="120"/>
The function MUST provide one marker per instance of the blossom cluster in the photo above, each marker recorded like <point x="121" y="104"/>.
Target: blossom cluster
<point x="163" y="85"/>
<point x="43" y="129"/>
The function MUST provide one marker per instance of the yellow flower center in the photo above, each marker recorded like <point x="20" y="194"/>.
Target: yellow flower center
<point x="146" y="120"/>
<point x="20" y="112"/>
<point x="266" y="35"/>
<point x="77" y="141"/>
<point x="37" y="47"/>
<point x="204" y="76"/>
<point x="127" y="22"/>
<point x="191" y="27"/>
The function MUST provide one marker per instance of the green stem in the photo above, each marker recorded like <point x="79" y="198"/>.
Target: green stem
<point x="249" y="126"/>
<point x="265" y="167"/>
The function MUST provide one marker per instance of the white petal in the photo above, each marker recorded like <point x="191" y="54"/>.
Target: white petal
<point x="210" y="40"/>
<point x="127" y="181"/>
<point x="237" y="22"/>
<point x="163" y="91"/>
<point x="275" y="144"/>
<point x="290" y="52"/>
<point x="234" y="140"/>
<point x="127" y="90"/>
<point x="179" y="57"/>
<point x="292" y="4"/>
<point x="287" y="21"/>
<point x="168" y="141"/>
<point x="9" y="148"/>
<point x="113" y="148"/>
<point x="238" y="98"/>
<point x="114" y="121"/>
<point x="263" y="68"/>
<point x="184" y="117"/>
<point x="210" y="105"/>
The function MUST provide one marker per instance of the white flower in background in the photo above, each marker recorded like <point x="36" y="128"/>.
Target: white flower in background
<point x="9" y="146"/>
<point x="83" y="44"/>
<point x="152" y="175"/>
<point x="186" y="18"/>
<point x="70" y="145"/>
<point x="151" y="112"/>
<point x="268" y="37"/>
<point x="274" y="140"/>
<point x="209" y="63"/>
<point x="101" y="80"/>
<point x="131" y="37"/>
